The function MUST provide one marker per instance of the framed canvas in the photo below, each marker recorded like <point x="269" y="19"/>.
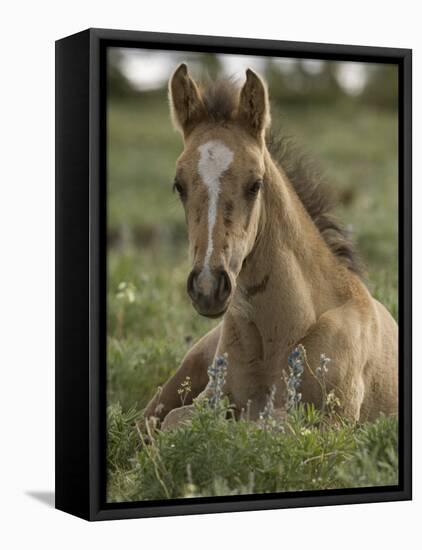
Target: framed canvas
<point x="233" y="319"/>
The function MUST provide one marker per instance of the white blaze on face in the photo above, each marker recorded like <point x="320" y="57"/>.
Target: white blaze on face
<point x="215" y="158"/>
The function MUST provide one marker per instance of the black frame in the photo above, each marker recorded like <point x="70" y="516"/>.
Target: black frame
<point x="81" y="273"/>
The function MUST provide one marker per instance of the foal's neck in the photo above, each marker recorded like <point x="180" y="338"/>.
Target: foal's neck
<point x="291" y="277"/>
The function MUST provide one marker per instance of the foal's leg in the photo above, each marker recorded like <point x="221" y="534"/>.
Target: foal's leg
<point x="195" y="365"/>
<point x="340" y="334"/>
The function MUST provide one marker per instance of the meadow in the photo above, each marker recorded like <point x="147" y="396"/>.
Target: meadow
<point x="151" y="323"/>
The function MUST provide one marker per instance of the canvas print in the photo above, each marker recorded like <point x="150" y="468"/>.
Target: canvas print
<point x="252" y="254"/>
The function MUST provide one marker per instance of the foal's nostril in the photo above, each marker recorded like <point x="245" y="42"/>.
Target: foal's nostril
<point x="224" y="286"/>
<point x="209" y="292"/>
<point x="192" y="284"/>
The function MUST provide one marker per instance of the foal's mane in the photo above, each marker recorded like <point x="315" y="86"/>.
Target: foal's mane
<point x="221" y="99"/>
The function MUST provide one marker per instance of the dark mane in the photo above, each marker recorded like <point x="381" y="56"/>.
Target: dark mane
<point x="221" y="99"/>
<point x="316" y="197"/>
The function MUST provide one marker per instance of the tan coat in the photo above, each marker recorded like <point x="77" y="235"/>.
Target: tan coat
<point x="260" y="260"/>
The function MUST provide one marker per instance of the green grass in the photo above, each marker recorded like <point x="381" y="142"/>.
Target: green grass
<point x="151" y="323"/>
<point x="216" y="456"/>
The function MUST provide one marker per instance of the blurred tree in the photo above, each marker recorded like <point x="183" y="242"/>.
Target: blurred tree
<point x="210" y="64"/>
<point x="302" y="81"/>
<point x="117" y="83"/>
<point x="382" y="87"/>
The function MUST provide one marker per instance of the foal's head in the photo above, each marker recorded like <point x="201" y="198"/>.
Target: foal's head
<point x="219" y="178"/>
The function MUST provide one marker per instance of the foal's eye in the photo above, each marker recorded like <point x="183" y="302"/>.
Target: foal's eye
<point x="254" y="188"/>
<point x="178" y="188"/>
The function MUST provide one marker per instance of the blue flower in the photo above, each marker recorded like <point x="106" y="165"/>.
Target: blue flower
<point x="217" y="376"/>
<point x="322" y="369"/>
<point x="296" y="362"/>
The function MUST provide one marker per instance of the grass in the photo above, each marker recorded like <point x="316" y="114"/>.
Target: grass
<point x="214" y="456"/>
<point x="151" y="323"/>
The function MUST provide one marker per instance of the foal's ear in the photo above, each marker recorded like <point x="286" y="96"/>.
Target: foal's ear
<point x="254" y="108"/>
<point x="186" y="105"/>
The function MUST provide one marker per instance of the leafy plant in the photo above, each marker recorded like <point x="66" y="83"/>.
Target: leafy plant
<point x="216" y="455"/>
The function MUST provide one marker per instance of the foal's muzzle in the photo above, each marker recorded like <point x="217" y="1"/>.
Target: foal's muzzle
<point x="209" y="291"/>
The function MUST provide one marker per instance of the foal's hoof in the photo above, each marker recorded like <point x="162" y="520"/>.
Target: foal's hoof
<point x="177" y="417"/>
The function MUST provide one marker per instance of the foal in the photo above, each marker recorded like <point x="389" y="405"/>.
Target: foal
<point x="269" y="259"/>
